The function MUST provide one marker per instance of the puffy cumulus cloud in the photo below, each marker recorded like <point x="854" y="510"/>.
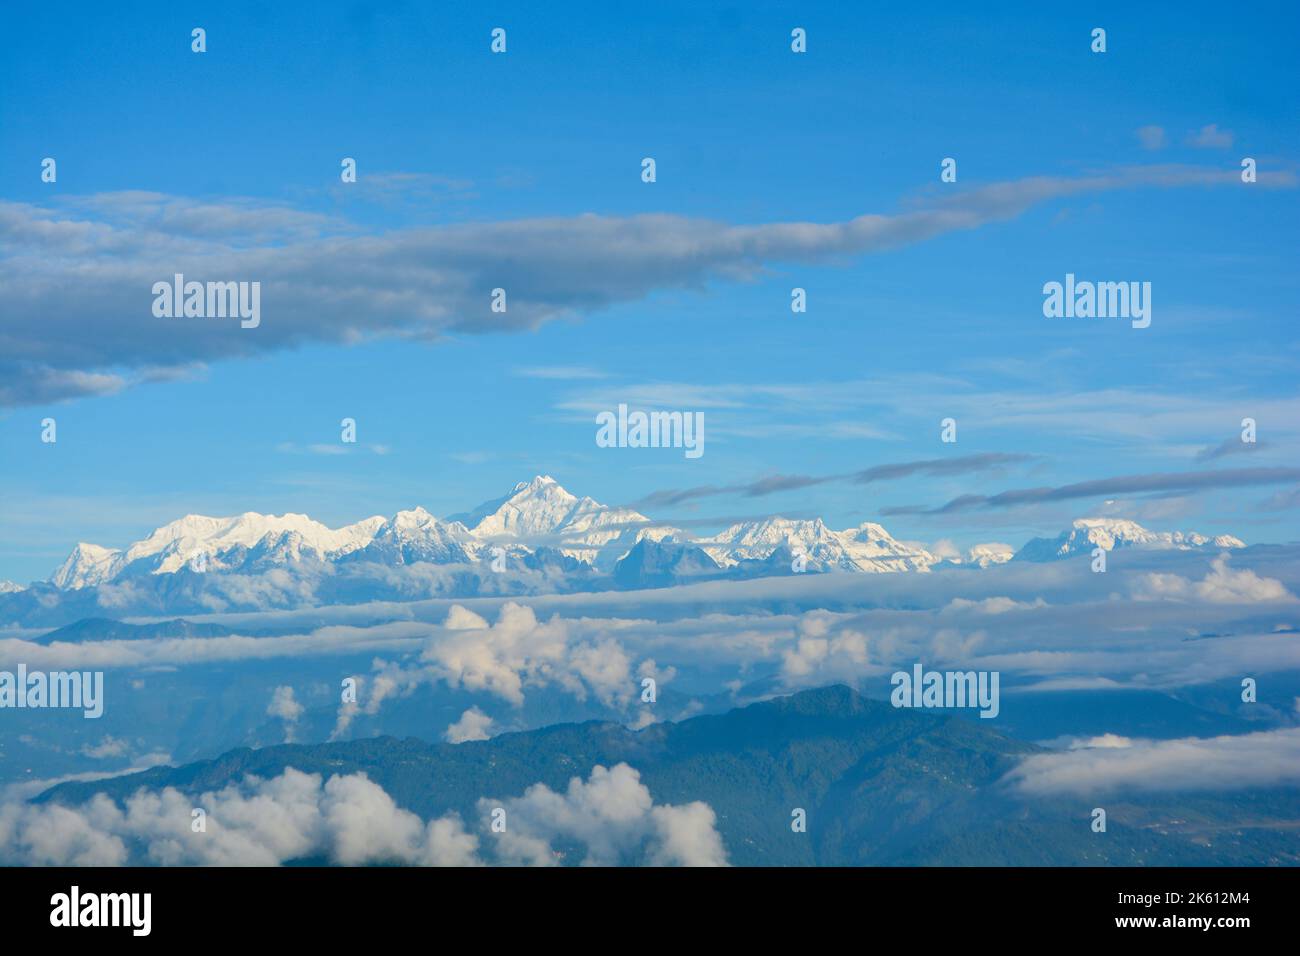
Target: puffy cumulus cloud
<point x="686" y="836"/>
<point x="45" y="835"/>
<point x="365" y="826"/>
<point x="349" y="820"/>
<point x="518" y="650"/>
<point x="818" y="655"/>
<point x="945" y="550"/>
<point x="503" y="659"/>
<point x="1222" y="585"/>
<point x="463" y="619"/>
<point x="108" y="748"/>
<point x="473" y="725"/>
<point x="613" y="816"/>
<point x="1266" y="759"/>
<point x="650" y="668"/>
<point x="284" y="705"/>
<point x="372" y="691"/>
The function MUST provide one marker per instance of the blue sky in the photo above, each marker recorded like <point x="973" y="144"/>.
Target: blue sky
<point x="744" y="133"/>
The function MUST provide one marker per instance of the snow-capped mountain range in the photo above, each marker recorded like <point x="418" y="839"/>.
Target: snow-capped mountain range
<point x="540" y="514"/>
<point x="868" y="547"/>
<point x="1111" y="534"/>
<point x="534" y="514"/>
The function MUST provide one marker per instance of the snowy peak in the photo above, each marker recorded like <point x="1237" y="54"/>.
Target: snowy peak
<point x="86" y="566"/>
<point x="218" y="543"/>
<point x="542" y="511"/>
<point x="868" y="547"/>
<point x="984" y="555"/>
<point x="532" y="509"/>
<point x="416" y="535"/>
<point x="1111" y="534"/>
<point x="172" y="546"/>
<point x="542" y="524"/>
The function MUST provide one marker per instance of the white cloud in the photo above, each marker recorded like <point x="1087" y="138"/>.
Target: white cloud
<point x="1060" y="626"/>
<point x="473" y="725"/>
<point x="945" y="550"/>
<point x="78" y="273"/>
<point x="107" y="748"/>
<point x="348" y="819"/>
<point x="994" y="605"/>
<point x="518" y="650"/>
<point x="820" y="656"/>
<point x="351" y="821"/>
<point x="1222" y="585"/>
<point x="285" y="706"/>
<point x="614" y="816"/>
<point x="1211" y="137"/>
<point x="371" y="692"/>
<point x="504" y="659"/>
<point x="1266" y="759"/>
<point x="1152" y="137"/>
<point x="462" y="619"/>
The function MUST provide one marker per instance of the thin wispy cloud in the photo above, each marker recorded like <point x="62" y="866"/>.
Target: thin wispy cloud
<point x="1230" y="446"/>
<point x="1152" y="137"/>
<point x="1191" y="481"/>
<point x="561" y="372"/>
<point x="772" y="484"/>
<point x="1282" y="500"/>
<point x="1211" y="137"/>
<point x="331" y="450"/>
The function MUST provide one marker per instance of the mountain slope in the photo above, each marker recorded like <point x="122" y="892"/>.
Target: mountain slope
<point x="86" y="566"/>
<point x="107" y="629"/>
<point x="1111" y="534"/>
<point x="660" y="564"/>
<point x="868" y="547"/>
<point x="541" y="511"/>
<point x="539" y="520"/>
<point x="878" y="785"/>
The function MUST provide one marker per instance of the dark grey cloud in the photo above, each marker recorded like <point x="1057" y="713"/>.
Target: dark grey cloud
<point x="940" y="466"/>
<point x="1282" y="500"/>
<point x="1230" y="446"/>
<point x="965" y="464"/>
<point x="78" y="273"/>
<point x="1107" y="487"/>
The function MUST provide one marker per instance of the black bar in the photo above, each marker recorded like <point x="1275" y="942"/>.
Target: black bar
<point x="333" y="905"/>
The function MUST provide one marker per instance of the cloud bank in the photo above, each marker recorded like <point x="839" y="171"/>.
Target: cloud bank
<point x="1238" y="762"/>
<point x="78" y="273"/>
<point x="614" y="817"/>
<point x="351" y="821"/>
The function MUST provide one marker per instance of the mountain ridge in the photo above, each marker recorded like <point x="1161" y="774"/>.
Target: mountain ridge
<point x="540" y="514"/>
<point x="879" y="786"/>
